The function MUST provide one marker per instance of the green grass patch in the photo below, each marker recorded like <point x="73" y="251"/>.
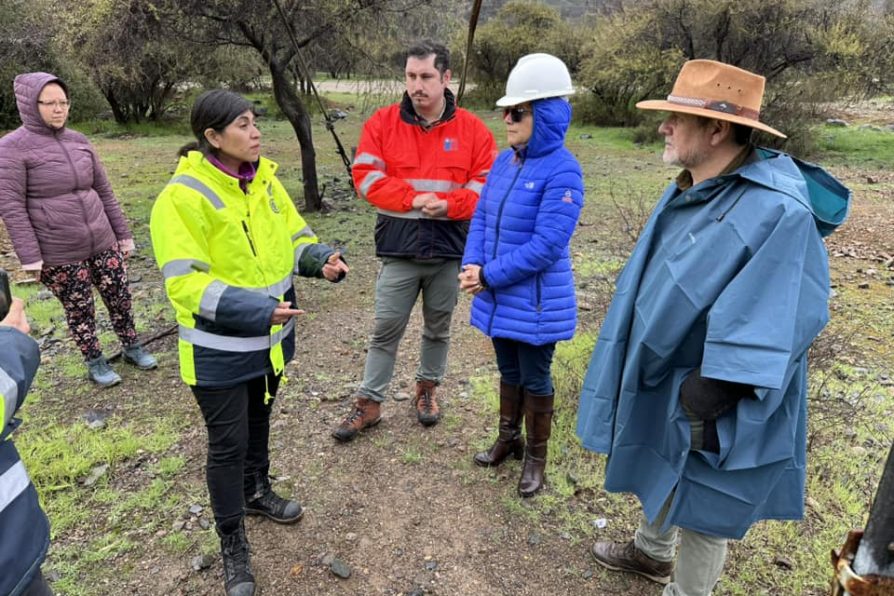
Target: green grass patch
<point x="857" y="146"/>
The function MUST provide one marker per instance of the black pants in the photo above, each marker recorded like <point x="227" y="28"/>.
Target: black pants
<point x="238" y="423"/>
<point x="38" y="587"/>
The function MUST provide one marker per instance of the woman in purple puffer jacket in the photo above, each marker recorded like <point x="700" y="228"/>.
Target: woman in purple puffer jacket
<point x="65" y="222"/>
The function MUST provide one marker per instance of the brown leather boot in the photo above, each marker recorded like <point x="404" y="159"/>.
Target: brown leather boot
<point x="364" y="414"/>
<point x="538" y="423"/>
<point x="624" y="556"/>
<point x="509" y="440"/>
<point x="427" y="410"/>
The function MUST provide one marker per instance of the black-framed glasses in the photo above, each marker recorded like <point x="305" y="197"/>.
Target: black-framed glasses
<point x="516" y="114"/>
<point x="64" y="104"/>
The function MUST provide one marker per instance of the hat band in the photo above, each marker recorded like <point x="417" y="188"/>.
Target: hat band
<point x="716" y="106"/>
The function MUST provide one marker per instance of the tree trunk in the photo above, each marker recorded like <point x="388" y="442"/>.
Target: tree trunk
<point x="296" y="113"/>
<point x="875" y="555"/>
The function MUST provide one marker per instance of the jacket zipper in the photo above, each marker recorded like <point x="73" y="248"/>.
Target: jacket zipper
<point x="248" y="237"/>
<point x="539" y="293"/>
<point x="490" y="324"/>
<point x="77" y="184"/>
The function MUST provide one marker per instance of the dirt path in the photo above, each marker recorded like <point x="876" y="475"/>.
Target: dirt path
<point x="402" y="506"/>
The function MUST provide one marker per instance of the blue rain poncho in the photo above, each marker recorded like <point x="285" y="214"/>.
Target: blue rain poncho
<point x="731" y="275"/>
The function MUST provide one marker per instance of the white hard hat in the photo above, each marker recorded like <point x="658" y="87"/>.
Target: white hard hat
<point x="536" y="76"/>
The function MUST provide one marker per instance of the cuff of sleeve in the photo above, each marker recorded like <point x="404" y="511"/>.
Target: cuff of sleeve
<point x="32" y="266"/>
<point x="481" y="279"/>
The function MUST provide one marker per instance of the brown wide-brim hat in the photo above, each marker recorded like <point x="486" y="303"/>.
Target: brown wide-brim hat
<point x="716" y="90"/>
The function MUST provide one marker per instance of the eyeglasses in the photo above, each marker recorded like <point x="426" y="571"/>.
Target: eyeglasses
<point x="516" y="114"/>
<point x="55" y="104"/>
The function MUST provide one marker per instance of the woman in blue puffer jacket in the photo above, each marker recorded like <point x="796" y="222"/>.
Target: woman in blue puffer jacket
<point x="517" y="262"/>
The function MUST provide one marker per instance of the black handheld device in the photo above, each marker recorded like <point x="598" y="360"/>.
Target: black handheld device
<point x="5" y="294"/>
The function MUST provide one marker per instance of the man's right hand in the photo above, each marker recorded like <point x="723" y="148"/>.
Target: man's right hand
<point x="423" y="199"/>
<point x="283" y="312"/>
<point x="16" y="317"/>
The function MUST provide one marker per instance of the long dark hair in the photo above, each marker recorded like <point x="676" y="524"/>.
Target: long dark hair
<point x="214" y="109"/>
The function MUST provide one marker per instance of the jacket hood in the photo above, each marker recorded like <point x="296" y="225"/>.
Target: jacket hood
<point x="826" y="198"/>
<point x="552" y="117"/>
<point x="27" y="88"/>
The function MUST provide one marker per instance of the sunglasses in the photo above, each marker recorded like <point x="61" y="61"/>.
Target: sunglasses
<point x="516" y="114"/>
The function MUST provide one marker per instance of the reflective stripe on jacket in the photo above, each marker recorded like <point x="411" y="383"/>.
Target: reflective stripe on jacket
<point x="227" y="258"/>
<point x="398" y="158"/>
<point x="24" y="529"/>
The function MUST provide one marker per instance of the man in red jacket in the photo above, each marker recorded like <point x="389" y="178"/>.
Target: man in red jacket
<point x="422" y="163"/>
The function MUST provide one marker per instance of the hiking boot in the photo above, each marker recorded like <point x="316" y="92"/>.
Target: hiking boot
<point x="99" y="371"/>
<point x="139" y="357"/>
<point x="509" y="441"/>
<point x="365" y="413"/>
<point x="271" y="505"/>
<point x="624" y="556"/>
<point x="238" y="578"/>
<point x="427" y="410"/>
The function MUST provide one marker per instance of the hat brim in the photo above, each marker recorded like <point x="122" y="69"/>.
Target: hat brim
<point x="666" y="106"/>
<point x="508" y="101"/>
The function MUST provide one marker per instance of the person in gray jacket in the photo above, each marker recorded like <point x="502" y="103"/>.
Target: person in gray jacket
<point x="64" y="220"/>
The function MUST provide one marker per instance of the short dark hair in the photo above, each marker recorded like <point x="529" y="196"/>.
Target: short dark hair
<point x="214" y="109"/>
<point x="741" y="134"/>
<point x="425" y="48"/>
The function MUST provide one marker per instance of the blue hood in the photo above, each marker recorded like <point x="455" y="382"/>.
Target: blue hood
<point x="825" y="197"/>
<point x="552" y="116"/>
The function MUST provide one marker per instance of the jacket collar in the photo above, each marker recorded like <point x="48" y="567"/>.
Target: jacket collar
<point x="408" y="112"/>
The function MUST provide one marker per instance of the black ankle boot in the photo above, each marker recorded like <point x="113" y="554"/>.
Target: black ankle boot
<point x="238" y="579"/>
<point x="509" y="440"/>
<point x="263" y="501"/>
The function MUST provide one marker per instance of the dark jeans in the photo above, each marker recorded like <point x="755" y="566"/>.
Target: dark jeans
<point x="38" y="586"/>
<point x="238" y="423"/>
<point x="525" y="365"/>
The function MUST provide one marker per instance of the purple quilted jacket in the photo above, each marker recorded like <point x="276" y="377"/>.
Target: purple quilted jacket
<point x="55" y="198"/>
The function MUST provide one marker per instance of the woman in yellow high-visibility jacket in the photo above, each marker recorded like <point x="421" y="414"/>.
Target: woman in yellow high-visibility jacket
<point x="228" y="239"/>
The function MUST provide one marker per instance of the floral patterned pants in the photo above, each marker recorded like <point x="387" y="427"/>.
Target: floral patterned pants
<point x="73" y="286"/>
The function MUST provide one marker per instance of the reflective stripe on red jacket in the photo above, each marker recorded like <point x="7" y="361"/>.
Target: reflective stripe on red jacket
<point x="398" y="158"/>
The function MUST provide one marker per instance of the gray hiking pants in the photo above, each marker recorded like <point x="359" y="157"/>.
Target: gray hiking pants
<point x="699" y="562"/>
<point x="397" y="288"/>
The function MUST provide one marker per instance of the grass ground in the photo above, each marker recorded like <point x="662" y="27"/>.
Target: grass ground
<point x="127" y="501"/>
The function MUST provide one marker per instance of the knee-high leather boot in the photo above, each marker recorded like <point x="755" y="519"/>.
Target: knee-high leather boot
<point x="538" y="423"/>
<point x="509" y="440"/>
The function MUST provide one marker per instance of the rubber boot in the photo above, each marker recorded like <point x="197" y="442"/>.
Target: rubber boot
<point x="509" y="441"/>
<point x="538" y="423"/>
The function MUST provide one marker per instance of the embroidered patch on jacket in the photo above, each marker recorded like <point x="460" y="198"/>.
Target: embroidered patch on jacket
<point x="567" y="196"/>
<point x="529" y="185"/>
<point x="450" y="144"/>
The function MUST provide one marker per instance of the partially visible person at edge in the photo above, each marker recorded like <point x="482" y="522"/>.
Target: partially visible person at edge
<point x="422" y="163"/>
<point x="697" y="388"/>
<point x="228" y="239"/>
<point x="24" y="529"/>
<point x="65" y="223"/>
<point x="517" y="263"/>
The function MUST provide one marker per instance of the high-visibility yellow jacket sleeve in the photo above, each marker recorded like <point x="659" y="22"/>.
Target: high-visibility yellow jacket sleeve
<point x="310" y="255"/>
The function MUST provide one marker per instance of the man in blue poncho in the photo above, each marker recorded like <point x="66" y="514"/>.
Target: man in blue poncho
<point x="697" y="387"/>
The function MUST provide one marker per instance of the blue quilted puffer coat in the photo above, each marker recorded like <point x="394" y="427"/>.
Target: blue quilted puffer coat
<point x="520" y="233"/>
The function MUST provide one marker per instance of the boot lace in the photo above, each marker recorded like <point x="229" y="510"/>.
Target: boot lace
<point x="236" y="557"/>
<point x="425" y="400"/>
